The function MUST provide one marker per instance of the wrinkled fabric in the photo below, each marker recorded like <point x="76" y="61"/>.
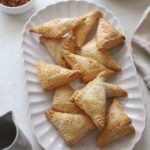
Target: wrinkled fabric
<point x="141" y="47"/>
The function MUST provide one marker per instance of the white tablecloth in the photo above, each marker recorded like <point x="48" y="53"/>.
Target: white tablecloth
<point x="12" y="92"/>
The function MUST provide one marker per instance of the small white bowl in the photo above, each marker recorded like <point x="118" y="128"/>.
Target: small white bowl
<point x="17" y="10"/>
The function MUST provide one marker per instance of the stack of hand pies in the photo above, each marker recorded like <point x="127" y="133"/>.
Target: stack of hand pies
<point x="76" y="113"/>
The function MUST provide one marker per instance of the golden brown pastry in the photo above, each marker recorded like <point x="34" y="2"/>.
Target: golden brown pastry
<point x="82" y="31"/>
<point x="61" y="101"/>
<point x="92" y="100"/>
<point x="57" y="27"/>
<point x="55" y="46"/>
<point x="107" y="36"/>
<point x="88" y="66"/>
<point x="52" y="76"/>
<point x="113" y="90"/>
<point x="72" y="127"/>
<point x="103" y="57"/>
<point x="118" y="125"/>
<point x="69" y="43"/>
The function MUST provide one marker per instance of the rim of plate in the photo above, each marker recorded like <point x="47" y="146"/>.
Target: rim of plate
<point x="128" y="46"/>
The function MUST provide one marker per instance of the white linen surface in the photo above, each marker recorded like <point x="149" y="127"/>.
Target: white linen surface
<point x="141" y="47"/>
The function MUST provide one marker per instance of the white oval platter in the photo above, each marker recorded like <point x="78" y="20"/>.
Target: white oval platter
<point x="39" y="101"/>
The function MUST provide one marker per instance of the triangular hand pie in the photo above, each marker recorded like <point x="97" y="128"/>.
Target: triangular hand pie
<point x="113" y="90"/>
<point x="61" y="101"/>
<point x="55" y="46"/>
<point x="69" y="43"/>
<point x="118" y="125"/>
<point x="88" y="66"/>
<point x="103" y="57"/>
<point x="82" y="31"/>
<point x="72" y="127"/>
<point x="92" y="100"/>
<point x="107" y="36"/>
<point x="57" y="27"/>
<point x="52" y="76"/>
